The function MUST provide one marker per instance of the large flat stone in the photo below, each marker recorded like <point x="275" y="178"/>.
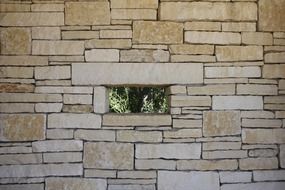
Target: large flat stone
<point x="87" y="13"/>
<point x="22" y="187"/>
<point x="173" y="180"/>
<point x="271" y="15"/>
<point x="108" y="155"/>
<point x="274" y="71"/>
<point x="75" y="184"/>
<point x="130" y="73"/>
<point x="237" y="102"/>
<point x="22" y="127"/>
<point x="263" y="136"/>
<point x="255" y="186"/>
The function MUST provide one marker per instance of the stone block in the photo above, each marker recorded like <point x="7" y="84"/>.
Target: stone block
<point x="22" y="127"/>
<point x="17" y="159"/>
<point x="57" y="145"/>
<point x="10" y="88"/>
<point x="61" y="157"/>
<point x="23" y="60"/>
<point x="221" y="123"/>
<point x="255" y="186"/>
<point x="282" y="156"/>
<point x="257" y="38"/>
<point x="109" y="43"/>
<point x="183" y="133"/>
<point x="152" y="56"/>
<point x="75" y="184"/>
<point x="134" y="14"/>
<point x="95" y="135"/>
<point x="203" y="26"/>
<point x="139" y="136"/>
<point x="130" y="4"/>
<point x="46" y="33"/>
<point x="116" y="34"/>
<point x="221" y="145"/>
<point x="212" y="37"/>
<point x="239" y="53"/>
<point x="185" y="49"/>
<point x="75" y="35"/>
<point x="255" y="89"/>
<point x="155" y="164"/>
<point x="22" y="187"/>
<point x="131" y="187"/>
<point x="185" y="123"/>
<point x="274" y="57"/>
<point x="77" y="99"/>
<point x="182" y="101"/>
<point x="102" y="55"/>
<point x="270" y="175"/>
<point x="207" y="164"/>
<point x="258" y="163"/>
<point x="239" y="27"/>
<point x="16" y="72"/>
<point x="108" y="155"/>
<point x="87" y="13"/>
<point x="262" y="123"/>
<point x="16" y="107"/>
<point x="224" y="89"/>
<point x="237" y="102"/>
<point x="29" y="97"/>
<point x="101" y="99"/>
<point x="48" y="107"/>
<point x="263" y="136"/>
<point x="52" y="72"/>
<point x="157" y="32"/>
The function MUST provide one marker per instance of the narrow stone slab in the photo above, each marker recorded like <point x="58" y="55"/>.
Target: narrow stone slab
<point x="75" y="184"/>
<point x="131" y="73"/>
<point x="255" y="186"/>
<point x="136" y="120"/>
<point x="23" y="187"/>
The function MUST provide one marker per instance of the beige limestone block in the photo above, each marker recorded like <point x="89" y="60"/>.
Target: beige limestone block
<point x="13" y="7"/>
<point x="134" y="14"/>
<point x="193" y="58"/>
<point x="48" y="107"/>
<point x="75" y="184"/>
<point x="255" y="89"/>
<point x="15" y="41"/>
<point x="30" y="97"/>
<point x="46" y="33"/>
<point x="139" y="136"/>
<point x="16" y="72"/>
<point x="270" y="175"/>
<point x="232" y="72"/>
<point x="239" y="27"/>
<point x="129" y="4"/>
<point x="52" y="72"/>
<point x="256" y="186"/>
<point x="23" y="187"/>
<point x="131" y="187"/>
<point x="16" y="107"/>
<point x="135" y="74"/>
<point x="95" y="135"/>
<point x="100" y="173"/>
<point x="11" y="88"/>
<point x="100" y="99"/>
<point x="207" y="164"/>
<point x="274" y="71"/>
<point x="221" y="145"/>
<point x="64" y="89"/>
<point x="109" y="43"/>
<point x="235" y="177"/>
<point x="59" y="134"/>
<point x="222" y="154"/>
<point x="271" y="15"/>
<point x="263" y="136"/>
<point x="237" y="102"/>
<point x="102" y="55"/>
<point x="181" y="101"/>
<point x="108" y="155"/>
<point x="77" y="108"/>
<point x="157" y="32"/>
<point x="282" y="156"/>
<point x="239" y="53"/>
<point x="23" y="60"/>
<point x="136" y="120"/>
<point x="137" y="174"/>
<point x="74" y="121"/>
<point x="257" y="38"/>
<point x="280" y="114"/>
<point x="274" y="57"/>
<point x="258" y="163"/>
<point x="168" y="151"/>
<point x="116" y="33"/>
<point x="41" y="170"/>
<point x="203" y="26"/>
<point x="57" y="145"/>
<point x="183" y="133"/>
<point x="73" y="35"/>
<point x="186" y="123"/>
<point x="182" y="11"/>
<point x="212" y="37"/>
<point x="22" y="127"/>
<point x="58" y="157"/>
<point x="225" y="89"/>
<point x="274" y="99"/>
<point x="14" y="159"/>
<point x="262" y="123"/>
<point x="263" y="153"/>
<point x="175" y="180"/>
<point x="32" y="19"/>
<point x="41" y="47"/>
<point x="155" y="164"/>
<point x="87" y="13"/>
<point x="221" y="123"/>
<point x="77" y="99"/>
<point x="185" y="49"/>
<point x="176" y="89"/>
<point x="152" y="56"/>
<point x="42" y="7"/>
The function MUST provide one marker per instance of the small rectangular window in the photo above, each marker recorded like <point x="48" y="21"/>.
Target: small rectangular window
<point x="138" y="100"/>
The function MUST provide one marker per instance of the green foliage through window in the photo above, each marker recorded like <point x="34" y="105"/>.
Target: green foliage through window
<point x="137" y="100"/>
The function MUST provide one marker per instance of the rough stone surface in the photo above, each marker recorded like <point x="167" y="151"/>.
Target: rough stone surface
<point x="274" y="71"/>
<point x="282" y="156"/>
<point x="134" y="4"/>
<point x="212" y="37"/>
<point x="263" y="136"/>
<point x="152" y="56"/>
<point x="87" y="13"/>
<point x="101" y="100"/>
<point x="22" y="127"/>
<point x="258" y="163"/>
<point x="255" y="186"/>
<point x="57" y="146"/>
<point x="139" y="136"/>
<point x="102" y="55"/>
<point x="239" y="53"/>
<point x="237" y="102"/>
<point x="221" y="123"/>
<point x="108" y="155"/>
<point x="75" y="183"/>
<point x="23" y="187"/>
<point x="54" y="72"/>
<point x="207" y="165"/>
<point x="157" y="32"/>
<point x="231" y="72"/>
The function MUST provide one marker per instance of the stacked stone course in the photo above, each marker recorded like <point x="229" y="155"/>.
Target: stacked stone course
<point x="221" y="61"/>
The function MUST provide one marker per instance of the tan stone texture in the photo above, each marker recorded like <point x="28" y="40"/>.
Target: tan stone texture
<point x="7" y="87"/>
<point x="274" y="71"/>
<point x="15" y="41"/>
<point x="87" y="13"/>
<point x="75" y="184"/>
<point x="157" y="32"/>
<point x="134" y="4"/>
<point x="22" y="127"/>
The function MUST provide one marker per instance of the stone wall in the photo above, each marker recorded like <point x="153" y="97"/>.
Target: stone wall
<point x="222" y="62"/>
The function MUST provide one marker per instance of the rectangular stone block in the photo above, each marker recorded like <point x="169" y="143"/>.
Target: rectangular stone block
<point x="41" y="47"/>
<point x="32" y="19"/>
<point x="41" y="7"/>
<point x="263" y="136"/>
<point x="257" y="38"/>
<point x="59" y="133"/>
<point x="271" y="20"/>
<point x="57" y="145"/>
<point x="260" y="123"/>
<point x="52" y="72"/>
<point x="185" y="123"/>
<point x="100" y="173"/>
<point x="157" y="32"/>
<point x="237" y="102"/>
<point x="59" y="157"/>
<point x="16" y="72"/>
<point x="136" y="120"/>
<point x="239" y="26"/>
<point x="116" y="33"/>
<point x="87" y="13"/>
<point x="101" y="99"/>
<point x="182" y="11"/>
<point x="75" y="184"/>
<point x="222" y="154"/>
<point x="221" y="123"/>
<point x="15" y="159"/>
<point x="132" y="187"/>
<point x="168" y="151"/>
<point x="274" y="71"/>
<point x="136" y="174"/>
<point x="29" y="97"/>
<point x="235" y="177"/>
<point x="41" y="170"/>
<point x="143" y="73"/>
<point x="102" y="55"/>
<point x="207" y="165"/>
<point x="239" y="53"/>
<point x="75" y="35"/>
<point x="22" y="127"/>
<point x="23" y="60"/>
<point x="282" y="156"/>
<point x="95" y="135"/>
<point x="224" y="89"/>
<point x="155" y="164"/>
<point x="191" y="49"/>
<point x="203" y="26"/>
<point x="271" y="175"/>
<point x="109" y="43"/>
<point x="134" y="14"/>
<point x="64" y="89"/>
<point x="108" y="155"/>
<point x="174" y="180"/>
<point x="255" y="186"/>
<point x="5" y="7"/>
<point x="129" y="4"/>
<point x="152" y="56"/>
<point x="77" y="99"/>
<point x="182" y="101"/>
<point x="255" y="89"/>
<point x="212" y="37"/>
<point x="46" y="33"/>
<point x="274" y="58"/>
<point x="23" y="187"/>
<point x="139" y="136"/>
<point x="258" y="163"/>
<point x="48" y="107"/>
<point x="193" y="58"/>
<point x="74" y="121"/>
<point x="221" y="145"/>
<point x="16" y="107"/>
<point x="232" y="72"/>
